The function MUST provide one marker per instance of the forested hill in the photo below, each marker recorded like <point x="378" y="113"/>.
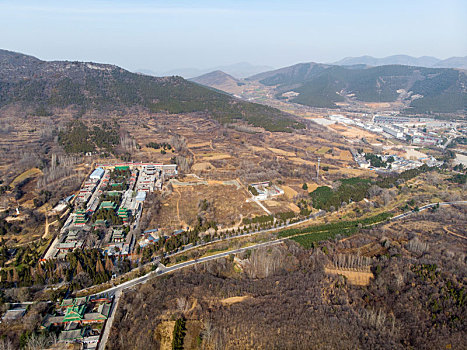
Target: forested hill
<point x="32" y="82"/>
<point x="425" y="90"/>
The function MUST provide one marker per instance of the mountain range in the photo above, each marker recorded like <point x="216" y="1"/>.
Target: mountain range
<point x="419" y="90"/>
<point x="44" y="85"/>
<point x="424" y="61"/>
<point x="424" y="90"/>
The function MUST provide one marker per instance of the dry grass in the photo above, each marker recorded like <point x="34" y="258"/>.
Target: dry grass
<point x="281" y="152"/>
<point x="377" y="105"/>
<point x="219" y="156"/>
<point x="199" y="144"/>
<point x="294" y="208"/>
<point x="289" y="192"/>
<point x="233" y="300"/>
<point x="357" y="278"/>
<point x="164" y="331"/>
<point x="229" y="205"/>
<point x="33" y="172"/>
<point x="202" y="166"/>
<point x="323" y="150"/>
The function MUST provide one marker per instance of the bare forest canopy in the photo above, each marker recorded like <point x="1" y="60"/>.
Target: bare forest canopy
<point x="91" y="86"/>
<point x="281" y="297"/>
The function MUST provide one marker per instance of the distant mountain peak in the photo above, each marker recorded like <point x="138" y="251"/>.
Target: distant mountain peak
<point x="238" y="70"/>
<point x="214" y="78"/>
<point x="405" y="60"/>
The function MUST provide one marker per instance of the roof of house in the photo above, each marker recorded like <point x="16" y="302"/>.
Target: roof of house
<point x="141" y="196"/>
<point x="94" y="316"/>
<point x="97" y="173"/>
<point x="66" y="245"/>
<point x="118" y="234"/>
<point x="74" y="313"/>
<point x="50" y="320"/>
<point x="104" y="309"/>
<point x="70" y="335"/>
<point x="108" y="204"/>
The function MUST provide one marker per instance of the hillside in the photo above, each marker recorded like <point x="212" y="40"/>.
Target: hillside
<point x="218" y="80"/>
<point x="238" y="70"/>
<point x="423" y="90"/>
<point x="295" y="74"/>
<point x="45" y="85"/>
<point x="424" y="61"/>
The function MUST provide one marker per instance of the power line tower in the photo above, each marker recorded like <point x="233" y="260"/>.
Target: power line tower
<point x="317" y="169"/>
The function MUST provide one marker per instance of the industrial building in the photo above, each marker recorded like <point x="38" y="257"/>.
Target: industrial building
<point x="395" y="131"/>
<point x="385" y="119"/>
<point x="97" y="174"/>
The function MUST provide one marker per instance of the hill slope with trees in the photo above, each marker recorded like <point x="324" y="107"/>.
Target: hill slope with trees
<point x="84" y="85"/>
<point x="428" y="90"/>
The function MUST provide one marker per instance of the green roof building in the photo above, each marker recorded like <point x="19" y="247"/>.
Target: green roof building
<point x="80" y="218"/>
<point x="122" y="167"/>
<point x="74" y="313"/>
<point x="108" y="205"/>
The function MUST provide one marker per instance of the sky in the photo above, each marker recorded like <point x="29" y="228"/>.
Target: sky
<point x="162" y="35"/>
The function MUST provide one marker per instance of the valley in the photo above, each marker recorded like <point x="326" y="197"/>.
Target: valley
<point x="225" y="205"/>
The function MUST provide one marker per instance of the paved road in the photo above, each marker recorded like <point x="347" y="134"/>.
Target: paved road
<point x="111" y="291"/>
<point x="144" y="278"/>
<point x="428" y="206"/>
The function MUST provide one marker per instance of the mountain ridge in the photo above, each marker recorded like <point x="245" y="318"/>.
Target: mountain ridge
<point x="423" y="90"/>
<point x="423" y="61"/>
<point x="88" y="85"/>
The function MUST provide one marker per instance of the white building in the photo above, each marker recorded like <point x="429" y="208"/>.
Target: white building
<point x="97" y="174"/>
<point x="395" y="131"/>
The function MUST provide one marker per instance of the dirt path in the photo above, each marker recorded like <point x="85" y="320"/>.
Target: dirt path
<point x="180" y="221"/>
<point x="46" y="231"/>
<point x="453" y="233"/>
<point x="47" y="223"/>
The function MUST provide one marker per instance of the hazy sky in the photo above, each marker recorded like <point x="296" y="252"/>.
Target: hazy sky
<point x="162" y="35"/>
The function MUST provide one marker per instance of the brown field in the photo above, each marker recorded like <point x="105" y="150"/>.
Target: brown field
<point x="181" y="208"/>
<point x="279" y="205"/>
<point x="198" y="145"/>
<point x="257" y="149"/>
<point x="216" y="156"/>
<point x="289" y="192"/>
<point x="312" y="186"/>
<point x="323" y="150"/>
<point x="377" y="105"/>
<point x="358" y="278"/>
<point x="352" y="132"/>
<point x="164" y="332"/>
<point x="294" y="208"/>
<point x="301" y="161"/>
<point x="33" y="172"/>
<point x="202" y="166"/>
<point x="281" y="152"/>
